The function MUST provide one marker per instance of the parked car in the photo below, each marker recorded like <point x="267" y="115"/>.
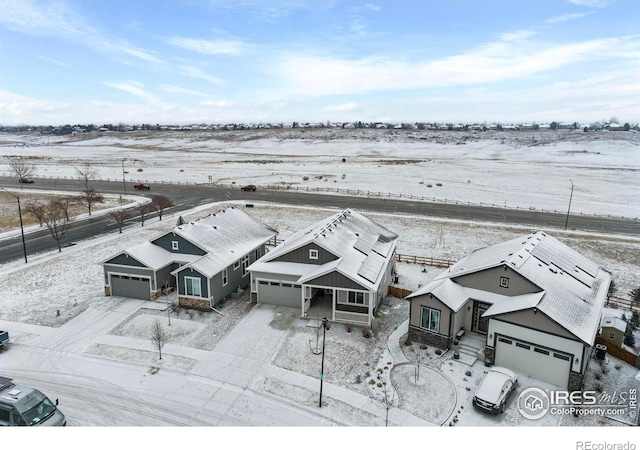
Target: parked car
<point x="26" y="406"/>
<point x="4" y="337"/>
<point x="25" y="180"/>
<point x="494" y="391"/>
<point x="249" y="187"/>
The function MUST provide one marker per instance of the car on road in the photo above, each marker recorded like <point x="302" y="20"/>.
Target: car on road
<point x="25" y="180"/>
<point x="494" y="391"/>
<point x="142" y="187"/>
<point x="249" y="187"/>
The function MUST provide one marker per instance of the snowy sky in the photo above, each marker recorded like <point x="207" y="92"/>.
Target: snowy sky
<point x="248" y="60"/>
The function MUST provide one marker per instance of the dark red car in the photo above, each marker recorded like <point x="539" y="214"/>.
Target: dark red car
<point x="249" y="187"/>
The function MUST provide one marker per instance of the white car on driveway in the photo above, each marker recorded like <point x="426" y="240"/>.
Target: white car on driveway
<point x="494" y="391"/>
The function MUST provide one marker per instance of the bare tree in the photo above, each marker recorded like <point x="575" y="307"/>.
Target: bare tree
<point x="21" y="168"/>
<point x="87" y="173"/>
<point x="64" y="203"/>
<point x="160" y="203"/>
<point x="143" y="210"/>
<point x="57" y="220"/>
<point x="37" y="209"/>
<point x="119" y="217"/>
<point x="159" y="336"/>
<point x="388" y="400"/>
<point x="90" y="197"/>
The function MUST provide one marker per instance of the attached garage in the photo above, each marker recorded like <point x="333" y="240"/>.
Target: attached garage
<point x="277" y="293"/>
<point x="542" y="363"/>
<point x="131" y="286"/>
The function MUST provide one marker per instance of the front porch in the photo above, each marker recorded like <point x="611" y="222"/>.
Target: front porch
<point x="470" y="347"/>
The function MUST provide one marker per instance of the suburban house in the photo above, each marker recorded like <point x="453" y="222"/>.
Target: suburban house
<point x="536" y="303"/>
<point x="205" y="260"/>
<point x="612" y="329"/>
<point x="342" y="265"/>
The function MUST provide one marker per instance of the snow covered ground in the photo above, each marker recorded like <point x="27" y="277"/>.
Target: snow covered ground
<point x="73" y="285"/>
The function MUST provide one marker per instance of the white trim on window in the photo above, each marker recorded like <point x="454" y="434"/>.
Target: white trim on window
<point x="313" y="253"/>
<point x="192" y="286"/>
<point x="236" y="265"/>
<point x="225" y="276"/>
<point x="430" y="319"/>
<point x="175" y="245"/>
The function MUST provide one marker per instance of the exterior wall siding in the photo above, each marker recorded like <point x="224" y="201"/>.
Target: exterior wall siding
<point x="489" y="281"/>
<point x="124" y="260"/>
<point x="204" y="285"/>
<point x="301" y="255"/>
<point x="184" y="246"/>
<point x="336" y="280"/>
<point x="415" y="312"/>
<point x="539" y="321"/>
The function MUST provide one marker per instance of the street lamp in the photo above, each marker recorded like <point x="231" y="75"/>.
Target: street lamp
<point x="324" y="333"/>
<point x="24" y="245"/>
<point x="569" y="209"/>
<point x="124" y="184"/>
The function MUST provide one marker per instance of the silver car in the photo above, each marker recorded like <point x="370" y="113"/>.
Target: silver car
<point x="494" y="391"/>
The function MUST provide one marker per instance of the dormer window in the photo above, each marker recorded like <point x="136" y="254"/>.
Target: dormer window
<point x="313" y="253"/>
<point x="174" y="245"/>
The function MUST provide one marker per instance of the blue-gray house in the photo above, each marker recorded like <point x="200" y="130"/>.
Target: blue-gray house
<point x="204" y="260"/>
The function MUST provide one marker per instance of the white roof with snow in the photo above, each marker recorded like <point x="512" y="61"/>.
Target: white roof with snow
<point x="573" y="288"/>
<point x="614" y="322"/>
<point x="226" y="235"/>
<point x="364" y="249"/>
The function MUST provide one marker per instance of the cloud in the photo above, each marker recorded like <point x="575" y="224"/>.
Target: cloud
<point x="346" y="107"/>
<point x="199" y="73"/>
<point x="53" y="61"/>
<point x="209" y="47"/>
<point x="567" y="17"/>
<point x="58" y="20"/>
<point x="593" y="3"/>
<point x="181" y="91"/>
<point x="136" y="89"/>
<point x="516" y="36"/>
<point x="489" y="64"/>
<point x="217" y="103"/>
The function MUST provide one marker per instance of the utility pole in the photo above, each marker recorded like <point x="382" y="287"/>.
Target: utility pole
<point x="324" y="333"/>
<point x="566" y="223"/>
<point x="24" y="245"/>
<point x="124" y="184"/>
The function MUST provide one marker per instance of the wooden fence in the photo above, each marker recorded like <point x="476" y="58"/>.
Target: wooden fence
<point x="398" y="292"/>
<point x="425" y="260"/>
<point x="622" y="303"/>
<point x="619" y="352"/>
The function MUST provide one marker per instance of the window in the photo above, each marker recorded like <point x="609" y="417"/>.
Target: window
<point x="430" y="319"/>
<point x="4" y="415"/>
<point x="612" y="336"/>
<point x="286" y="285"/>
<point x="541" y="350"/>
<point x="174" y="245"/>
<point x="313" y="253"/>
<point x="521" y="345"/>
<point x="506" y="341"/>
<point x="257" y="254"/>
<point x="357" y="298"/>
<point x="225" y="277"/>
<point x="192" y="286"/>
<point x="559" y="356"/>
<point x="245" y="264"/>
<point x="504" y="282"/>
<point x="236" y="265"/>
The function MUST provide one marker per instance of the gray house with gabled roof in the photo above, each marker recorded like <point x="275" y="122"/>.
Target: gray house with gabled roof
<point x="204" y="260"/>
<point x="345" y="262"/>
<point x="537" y="302"/>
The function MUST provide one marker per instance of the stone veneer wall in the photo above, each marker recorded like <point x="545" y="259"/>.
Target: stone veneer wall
<point x="202" y="304"/>
<point x="422" y="337"/>
<point x="107" y="291"/>
<point x="575" y="381"/>
<point x="489" y="355"/>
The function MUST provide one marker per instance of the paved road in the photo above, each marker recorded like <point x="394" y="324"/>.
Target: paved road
<point x="189" y="196"/>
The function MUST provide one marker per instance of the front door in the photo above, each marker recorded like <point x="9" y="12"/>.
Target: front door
<point x="480" y="324"/>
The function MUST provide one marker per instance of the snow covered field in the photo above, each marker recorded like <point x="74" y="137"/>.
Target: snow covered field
<point x="492" y="172"/>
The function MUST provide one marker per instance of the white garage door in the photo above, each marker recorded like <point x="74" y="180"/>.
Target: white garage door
<point x="541" y="363"/>
<point x="276" y="293"/>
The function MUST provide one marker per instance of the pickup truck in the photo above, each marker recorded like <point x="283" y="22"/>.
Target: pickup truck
<point x="4" y="337"/>
<point x="142" y="187"/>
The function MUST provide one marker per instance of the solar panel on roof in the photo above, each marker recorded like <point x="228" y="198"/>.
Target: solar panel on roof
<point x="371" y="267"/>
<point x="570" y="262"/>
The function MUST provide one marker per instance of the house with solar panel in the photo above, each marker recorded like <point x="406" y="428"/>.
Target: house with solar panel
<point x="531" y="304"/>
<point x="340" y="268"/>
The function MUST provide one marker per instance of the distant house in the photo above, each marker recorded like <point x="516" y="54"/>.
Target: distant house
<point x="205" y="260"/>
<point x="342" y="266"/>
<point x="536" y="302"/>
<point x="612" y="329"/>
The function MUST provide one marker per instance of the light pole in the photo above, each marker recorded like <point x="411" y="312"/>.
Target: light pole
<point x="124" y="184"/>
<point x="566" y="223"/>
<point x="24" y="245"/>
<point x="324" y="333"/>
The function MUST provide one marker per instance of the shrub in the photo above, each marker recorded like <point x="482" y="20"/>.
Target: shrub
<point x="305" y="178"/>
<point x="140" y="169"/>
